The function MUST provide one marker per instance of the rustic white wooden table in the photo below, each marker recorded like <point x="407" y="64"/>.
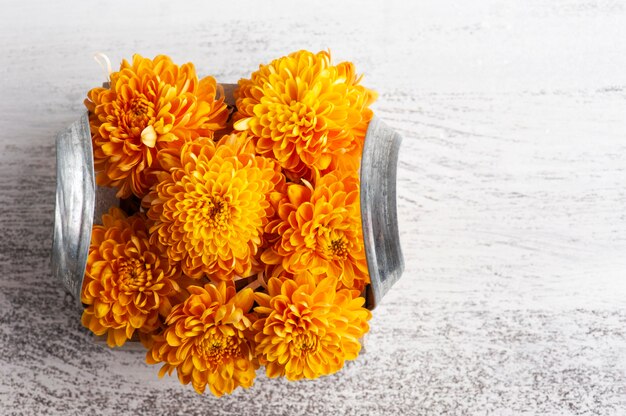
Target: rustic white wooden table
<point x="512" y="201"/>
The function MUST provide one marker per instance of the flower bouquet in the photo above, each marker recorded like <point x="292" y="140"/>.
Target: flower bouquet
<point x="237" y="231"/>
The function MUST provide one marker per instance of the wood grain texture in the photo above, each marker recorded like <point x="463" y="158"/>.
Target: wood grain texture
<point x="511" y="201"/>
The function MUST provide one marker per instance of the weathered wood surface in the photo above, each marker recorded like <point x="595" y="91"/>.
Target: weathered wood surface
<point x="511" y="187"/>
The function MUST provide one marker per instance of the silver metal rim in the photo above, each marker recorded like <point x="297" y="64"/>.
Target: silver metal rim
<point x="378" y="210"/>
<point x="74" y="209"/>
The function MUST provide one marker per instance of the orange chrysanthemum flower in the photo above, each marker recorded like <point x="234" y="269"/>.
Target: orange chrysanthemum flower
<point x="128" y="282"/>
<point x="210" y="209"/>
<point x="208" y="340"/>
<point x="319" y="231"/>
<point x="151" y="105"/>
<point x="306" y="113"/>
<point x="308" y="329"/>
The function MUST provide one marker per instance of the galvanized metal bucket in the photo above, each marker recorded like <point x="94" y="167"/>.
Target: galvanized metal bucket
<point x="80" y="204"/>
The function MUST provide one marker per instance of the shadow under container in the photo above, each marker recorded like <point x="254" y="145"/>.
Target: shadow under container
<point x="80" y="204"/>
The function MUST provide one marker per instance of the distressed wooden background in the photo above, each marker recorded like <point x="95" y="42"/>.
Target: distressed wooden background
<point x="512" y="199"/>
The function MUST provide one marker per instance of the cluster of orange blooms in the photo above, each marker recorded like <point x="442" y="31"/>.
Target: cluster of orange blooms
<point x="244" y="247"/>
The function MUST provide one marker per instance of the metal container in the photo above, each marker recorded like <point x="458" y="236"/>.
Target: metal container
<point x="80" y="204"/>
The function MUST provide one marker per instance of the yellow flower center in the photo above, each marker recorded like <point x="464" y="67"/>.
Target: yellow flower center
<point x="213" y="212"/>
<point x="215" y="347"/>
<point x="337" y="248"/>
<point x="305" y="343"/>
<point x="295" y="120"/>
<point x="136" y="275"/>
<point x="139" y="112"/>
<point x="332" y="243"/>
